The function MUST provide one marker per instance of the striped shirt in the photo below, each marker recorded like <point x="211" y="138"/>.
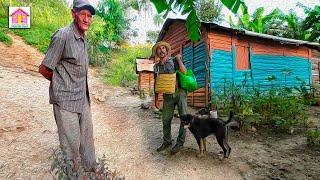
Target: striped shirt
<point x="67" y="56"/>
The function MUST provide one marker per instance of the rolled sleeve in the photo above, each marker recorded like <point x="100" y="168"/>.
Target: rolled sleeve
<point x="55" y="50"/>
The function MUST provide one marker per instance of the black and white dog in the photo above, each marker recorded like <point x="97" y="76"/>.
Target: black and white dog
<point x="202" y="125"/>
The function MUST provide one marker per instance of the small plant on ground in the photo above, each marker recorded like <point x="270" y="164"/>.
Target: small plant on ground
<point x="313" y="137"/>
<point x="62" y="169"/>
<point x="282" y="108"/>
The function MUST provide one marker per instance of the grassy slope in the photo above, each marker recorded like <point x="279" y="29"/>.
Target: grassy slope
<point x="47" y="16"/>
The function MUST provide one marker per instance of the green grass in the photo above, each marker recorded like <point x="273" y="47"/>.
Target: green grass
<point x="5" y="38"/>
<point x="46" y="17"/>
<point x="120" y="71"/>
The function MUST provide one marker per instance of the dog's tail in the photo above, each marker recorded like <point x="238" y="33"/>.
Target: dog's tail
<point x="231" y="121"/>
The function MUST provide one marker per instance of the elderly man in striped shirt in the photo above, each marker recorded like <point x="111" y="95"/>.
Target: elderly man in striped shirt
<point x="65" y="65"/>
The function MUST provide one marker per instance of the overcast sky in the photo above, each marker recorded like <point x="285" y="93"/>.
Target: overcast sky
<point x="144" y="21"/>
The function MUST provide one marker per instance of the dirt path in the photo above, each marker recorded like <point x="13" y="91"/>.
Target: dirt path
<point x="128" y="135"/>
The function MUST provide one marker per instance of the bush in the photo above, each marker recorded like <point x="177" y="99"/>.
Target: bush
<point x="5" y="38"/>
<point x="62" y="169"/>
<point x="313" y="137"/>
<point x="43" y="25"/>
<point x="277" y="107"/>
<point x="120" y="71"/>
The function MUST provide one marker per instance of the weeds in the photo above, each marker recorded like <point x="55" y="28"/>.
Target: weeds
<point x="120" y="71"/>
<point x="280" y="108"/>
<point x="313" y="137"/>
<point x="62" y="169"/>
<point x="5" y="38"/>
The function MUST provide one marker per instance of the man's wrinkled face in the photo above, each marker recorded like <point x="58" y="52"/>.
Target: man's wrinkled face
<point x="162" y="51"/>
<point x="83" y="19"/>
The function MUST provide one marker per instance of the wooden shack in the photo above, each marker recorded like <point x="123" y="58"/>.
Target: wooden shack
<point x="144" y="69"/>
<point x="227" y="55"/>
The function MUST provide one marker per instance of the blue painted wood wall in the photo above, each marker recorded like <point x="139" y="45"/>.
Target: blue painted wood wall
<point x="195" y="58"/>
<point x="224" y="73"/>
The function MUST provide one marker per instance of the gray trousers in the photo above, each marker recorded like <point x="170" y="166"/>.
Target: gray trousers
<point x="76" y="135"/>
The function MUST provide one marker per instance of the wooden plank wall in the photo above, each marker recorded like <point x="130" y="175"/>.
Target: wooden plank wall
<point x="176" y="35"/>
<point x="315" y="61"/>
<point x="266" y="55"/>
<point x="146" y="81"/>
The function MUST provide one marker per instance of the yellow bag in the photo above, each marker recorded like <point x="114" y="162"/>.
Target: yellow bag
<point x="165" y="83"/>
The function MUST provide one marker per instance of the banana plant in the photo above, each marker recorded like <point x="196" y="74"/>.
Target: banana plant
<point x="257" y="22"/>
<point x="188" y="7"/>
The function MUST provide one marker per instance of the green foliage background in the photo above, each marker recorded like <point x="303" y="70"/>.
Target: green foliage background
<point x="106" y="35"/>
<point x="46" y="18"/>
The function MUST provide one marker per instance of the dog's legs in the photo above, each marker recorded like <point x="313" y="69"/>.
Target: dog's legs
<point x="198" y="142"/>
<point x="204" y="144"/>
<point x="220" y="142"/>
<point x="201" y="154"/>
<point x="225" y="142"/>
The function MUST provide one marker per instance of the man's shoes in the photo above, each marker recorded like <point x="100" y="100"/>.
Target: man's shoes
<point x="164" y="146"/>
<point x="176" y="148"/>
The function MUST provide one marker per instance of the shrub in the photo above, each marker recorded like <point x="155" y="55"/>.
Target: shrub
<point x="62" y="169"/>
<point x="313" y="137"/>
<point x="43" y="25"/>
<point x="120" y="71"/>
<point x="5" y="38"/>
<point x="277" y="107"/>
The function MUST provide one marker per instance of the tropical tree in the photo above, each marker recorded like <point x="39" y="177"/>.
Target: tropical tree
<point x="209" y="10"/>
<point x="257" y="22"/>
<point x="158" y="19"/>
<point x="189" y="7"/>
<point x="293" y="26"/>
<point x="115" y="23"/>
<point x="152" y="36"/>
<point x="311" y="24"/>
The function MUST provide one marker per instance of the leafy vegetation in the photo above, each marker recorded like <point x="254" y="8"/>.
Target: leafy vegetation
<point x="280" y="24"/>
<point x="121" y="69"/>
<point x="5" y="38"/>
<point x="313" y="137"/>
<point x="62" y="169"/>
<point x="282" y="108"/>
<point x="209" y="10"/>
<point x="115" y="23"/>
<point x="152" y="36"/>
<point x="43" y="25"/>
<point x="188" y="7"/>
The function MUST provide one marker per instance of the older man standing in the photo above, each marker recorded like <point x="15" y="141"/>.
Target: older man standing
<point x="65" y="65"/>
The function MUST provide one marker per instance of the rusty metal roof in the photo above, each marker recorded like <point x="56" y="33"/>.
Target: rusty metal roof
<point x="209" y="25"/>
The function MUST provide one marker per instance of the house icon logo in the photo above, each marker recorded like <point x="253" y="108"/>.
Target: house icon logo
<point x="19" y="17"/>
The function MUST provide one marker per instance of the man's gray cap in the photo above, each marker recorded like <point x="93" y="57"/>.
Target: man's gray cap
<point x="83" y="4"/>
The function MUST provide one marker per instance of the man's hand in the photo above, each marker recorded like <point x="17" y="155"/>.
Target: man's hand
<point x="179" y="57"/>
<point x="181" y="65"/>
<point x="46" y="72"/>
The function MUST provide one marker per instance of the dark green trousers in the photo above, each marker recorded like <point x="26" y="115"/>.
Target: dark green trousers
<point x="170" y="101"/>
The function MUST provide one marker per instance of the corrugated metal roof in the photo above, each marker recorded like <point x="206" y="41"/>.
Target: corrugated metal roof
<point x="282" y="40"/>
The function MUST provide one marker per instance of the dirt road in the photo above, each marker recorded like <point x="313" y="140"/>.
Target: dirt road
<point x="128" y="135"/>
